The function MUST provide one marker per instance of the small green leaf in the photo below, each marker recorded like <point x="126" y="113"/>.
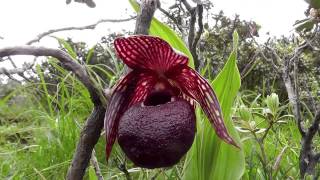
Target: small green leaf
<point x="305" y="25"/>
<point x="92" y="174"/>
<point x="90" y="54"/>
<point x="67" y="46"/>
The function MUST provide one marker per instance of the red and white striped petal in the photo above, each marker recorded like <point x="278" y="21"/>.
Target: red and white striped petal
<point x="144" y="86"/>
<point x="118" y="103"/>
<point x="148" y="52"/>
<point x="192" y="84"/>
<point x="133" y="88"/>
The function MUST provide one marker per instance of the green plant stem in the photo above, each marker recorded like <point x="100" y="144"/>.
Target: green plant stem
<point x="263" y="154"/>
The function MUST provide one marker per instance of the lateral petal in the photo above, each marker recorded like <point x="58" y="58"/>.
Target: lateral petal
<point x="195" y="86"/>
<point x="118" y="103"/>
<point x="133" y="88"/>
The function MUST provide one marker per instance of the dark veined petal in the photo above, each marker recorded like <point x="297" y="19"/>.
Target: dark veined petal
<point x="192" y="84"/>
<point x="143" y="88"/>
<point x="148" y="52"/>
<point x="133" y="88"/>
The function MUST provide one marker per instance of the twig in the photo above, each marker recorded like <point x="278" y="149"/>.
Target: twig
<point x="91" y="26"/>
<point x="97" y="95"/>
<point x="309" y="159"/>
<point x="88" y="138"/>
<point x="311" y="98"/>
<point x="122" y="167"/>
<point x="199" y="10"/>
<point x="95" y="165"/>
<point x="187" y="5"/>
<point x="276" y="164"/>
<point x="173" y="19"/>
<point x="263" y="159"/>
<point x="267" y="131"/>
<point x="91" y="130"/>
<point x="193" y="18"/>
<point x="89" y="3"/>
<point x="194" y="38"/>
<point x="268" y="60"/>
<point x="249" y="66"/>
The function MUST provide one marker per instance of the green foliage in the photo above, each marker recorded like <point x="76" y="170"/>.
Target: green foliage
<point x="43" y="142"/>
<point x="313" y="3"/>
<point x="305" y="25"/>
<point x="269" y="136"/>
<point x="209" y="157"/>
<point x="40" y="122"/>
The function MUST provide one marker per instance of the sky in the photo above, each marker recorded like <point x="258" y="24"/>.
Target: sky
<point x="23" y="20"/>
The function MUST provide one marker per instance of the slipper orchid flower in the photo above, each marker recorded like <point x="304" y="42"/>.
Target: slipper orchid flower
<point x="157" y="89"/>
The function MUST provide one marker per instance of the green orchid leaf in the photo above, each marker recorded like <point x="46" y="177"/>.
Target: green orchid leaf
<point x="210" y="157"/>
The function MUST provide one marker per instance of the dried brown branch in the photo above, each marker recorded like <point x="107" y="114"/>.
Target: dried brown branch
<point x="173" y="19"/>
<point x="193" y="19"/>
<point x="193" y="36"/>
<point x="70" y="64"/>
<point x="19" y="71"/>
<point x="268" y="60"/>
<point x="89" y="136"/>
<point x="147" y="9"/>
<point x="187" y="5"/>
<point x="199" y="10"/>
<point x="91" y="26"/>
<point x="91" y="130"/>
<point x="308" y="158"/>
<point x="89" y="3"/>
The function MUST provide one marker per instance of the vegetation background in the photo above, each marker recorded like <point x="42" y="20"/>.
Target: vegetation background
<point x="43" y="107"/>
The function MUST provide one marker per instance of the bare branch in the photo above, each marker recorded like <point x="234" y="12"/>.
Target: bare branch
<point x="173" y="19"/>
<point x="291" y="91"/>
<point x="91" y="26"/>
<point x="147" y="9"/>
<point x="200" y="24"/>
<point x="308" y="159"/>
<point x="199" y="10"/>
<point x="193" y="18"/>
<point x="89" y="136"/>
<point x="313" y="129"/>
<point x="89" y="3"/>
<point x="187" y="5"/>
<point x="97" y="95"/>
<point x="268" y="60"/>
